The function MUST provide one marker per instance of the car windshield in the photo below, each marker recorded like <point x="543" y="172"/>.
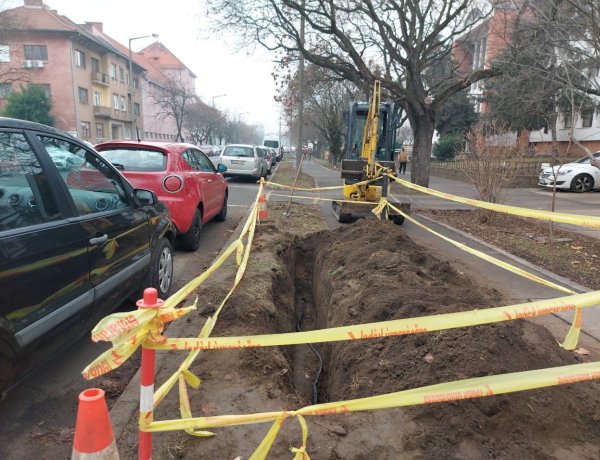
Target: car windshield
<point x="586" y="159"/>
<point x="237" y="151"/>
<point x="136" y="159"/>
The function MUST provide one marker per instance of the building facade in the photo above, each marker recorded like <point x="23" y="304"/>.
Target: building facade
<point x="482" y="45"/>
<point x="86" y="76"/>
<point x="168" y="88"/>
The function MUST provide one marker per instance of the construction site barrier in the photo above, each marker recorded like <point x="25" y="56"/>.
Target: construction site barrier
<point x="128" y="330"/>
<point x="94" y="437"/>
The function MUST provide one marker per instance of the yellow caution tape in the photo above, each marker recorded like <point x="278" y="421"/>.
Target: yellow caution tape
<point x="572" y="338"/>
<point x="575" y="219"/>
<point x="319" y="189"/>
<point x="406" y="326"/>
<point x="127" y="331"/>
<point x="451" y="391"/>
<point x="242" y="259"/>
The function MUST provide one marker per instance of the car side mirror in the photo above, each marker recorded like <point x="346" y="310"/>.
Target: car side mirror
<point x="145" y="197"/>
<point x="221" y="168"/>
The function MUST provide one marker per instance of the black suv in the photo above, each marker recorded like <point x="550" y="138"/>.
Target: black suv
<point x="76" y="240"/>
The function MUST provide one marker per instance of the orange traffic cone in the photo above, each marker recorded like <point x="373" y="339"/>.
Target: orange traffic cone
<point x="263" y="212"/>
<point x="94" y="437"/>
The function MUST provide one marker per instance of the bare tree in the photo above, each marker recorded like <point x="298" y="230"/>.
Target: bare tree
<point x="497" y="160"/>
<point x="11" y="24"/>
<point x="174" y="98"/>
<point x="362" y="40"/>
<point x="203" y="122"/>
<point x="326" y="99"/>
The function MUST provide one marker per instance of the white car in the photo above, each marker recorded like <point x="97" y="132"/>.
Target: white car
<point x="579" y="176"/>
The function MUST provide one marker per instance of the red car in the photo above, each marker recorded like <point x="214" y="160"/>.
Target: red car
<point x="181" y="175"/>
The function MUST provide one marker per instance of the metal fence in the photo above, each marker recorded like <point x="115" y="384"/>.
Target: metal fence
<point x="527" y="166"/>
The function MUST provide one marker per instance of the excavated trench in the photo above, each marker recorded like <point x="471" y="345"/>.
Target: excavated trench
<point x="347" y="276"/>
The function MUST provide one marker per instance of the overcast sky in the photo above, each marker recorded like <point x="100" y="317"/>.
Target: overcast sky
<point x="183" y="28"/>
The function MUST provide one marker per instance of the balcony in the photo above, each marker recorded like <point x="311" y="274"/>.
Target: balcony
<point x="100" y="79"/>
<point x="102" y="112"/>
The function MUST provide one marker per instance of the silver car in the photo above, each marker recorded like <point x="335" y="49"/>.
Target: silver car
<point x="244" y="160"/>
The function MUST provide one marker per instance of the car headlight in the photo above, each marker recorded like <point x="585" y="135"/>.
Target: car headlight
<point x="562" y="172"/>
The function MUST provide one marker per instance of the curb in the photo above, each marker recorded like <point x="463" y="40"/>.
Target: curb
<point x="128" y="402"/>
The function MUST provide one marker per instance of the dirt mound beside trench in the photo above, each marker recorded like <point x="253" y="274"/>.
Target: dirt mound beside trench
<point x="371" y="271"/>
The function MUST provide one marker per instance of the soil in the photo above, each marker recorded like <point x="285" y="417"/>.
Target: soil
<point x="570" y="254"/>
<point x="348" y="276"/>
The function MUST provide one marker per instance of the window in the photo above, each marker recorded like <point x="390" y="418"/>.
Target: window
<point x="205" y="164"/>
<point x="568" y="121"/>
<point x="115" y="102"/>
<point x="4" y="53"/>
<point x="5" y="90"/>
<point x="80" y="59"/>
<point x="99" y="130"/>
<point x="113" y="70"/>
<point x="189" y="157"/>
<point x="95" y="65"/>
<point x="135" y="82"/>
<point x="85" y="129"/>
<point x="127" y="132"/>
<point x="123" y="103"/>
<point x="83" y="95"/>
<point x="92" y="183"/>
<point x="44" y="88"/>
<point x="36" y="52"/>
<point x="97" y="98"/>
<point x="115" y="131"/>
<point x="587" y="115"/>
<point x="31" y="199"/>
<point x="136" y="108"/>
<point x="121" y="74"/>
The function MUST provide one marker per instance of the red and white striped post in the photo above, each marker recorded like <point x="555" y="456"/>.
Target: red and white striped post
<point x="150" y="300"/>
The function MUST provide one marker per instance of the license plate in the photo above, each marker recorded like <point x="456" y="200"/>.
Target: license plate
<point x="237" y="162"/>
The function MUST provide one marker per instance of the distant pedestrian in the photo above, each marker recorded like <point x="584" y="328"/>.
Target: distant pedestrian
<point x="402" y="160"/>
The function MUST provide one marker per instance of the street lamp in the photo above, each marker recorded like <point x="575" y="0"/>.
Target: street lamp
<point x="131" y="90"/>
<point x="214" y="97"/>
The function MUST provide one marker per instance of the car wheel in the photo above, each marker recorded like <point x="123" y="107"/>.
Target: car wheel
<point x="191" y="240"/>
<point x="223" y="213"/>
<point x="161" y="269"/>
<point x="582" y="183"/>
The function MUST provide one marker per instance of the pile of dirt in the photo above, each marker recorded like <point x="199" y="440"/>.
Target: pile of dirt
<point x="371" y="271"/>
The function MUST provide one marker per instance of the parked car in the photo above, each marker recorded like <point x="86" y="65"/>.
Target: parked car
<point x="76" y="240"/>
<point x="579" y="176"/>
<point x="268" y="158"/>
<point x="181" y="175"/>
<point x="244" y="160"/>
<point x="273" y="154"/>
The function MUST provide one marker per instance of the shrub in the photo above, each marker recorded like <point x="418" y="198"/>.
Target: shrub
<point x="447" y="147"/>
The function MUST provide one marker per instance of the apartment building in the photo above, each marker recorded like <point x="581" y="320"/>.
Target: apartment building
<point x="478" y="49"/>
<point x="167" y="77"/>
<point x="85" y="72"/>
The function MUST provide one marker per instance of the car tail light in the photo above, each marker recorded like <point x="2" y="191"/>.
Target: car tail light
<point x="172" y="184"/>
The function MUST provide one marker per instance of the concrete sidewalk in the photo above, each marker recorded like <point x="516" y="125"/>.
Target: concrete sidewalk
<point x="515" y="288"/>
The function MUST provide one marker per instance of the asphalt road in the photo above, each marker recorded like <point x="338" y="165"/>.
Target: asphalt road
<point x="38" y="416"/>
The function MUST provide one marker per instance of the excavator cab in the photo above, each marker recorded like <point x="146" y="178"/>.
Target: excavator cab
<point x="369" y="148"/>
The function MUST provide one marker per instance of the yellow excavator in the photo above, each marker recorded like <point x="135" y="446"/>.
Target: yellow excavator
<point x="365" y="165"/>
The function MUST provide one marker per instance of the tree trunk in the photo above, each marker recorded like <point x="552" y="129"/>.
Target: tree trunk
<point x="553" y="121"/>
<point x="423" y="126"/>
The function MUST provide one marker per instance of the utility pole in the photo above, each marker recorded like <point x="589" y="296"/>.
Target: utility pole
<point x="300" y="91"/>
